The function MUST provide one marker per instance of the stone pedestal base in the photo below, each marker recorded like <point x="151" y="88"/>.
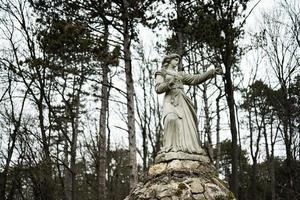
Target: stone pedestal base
<point x="169" y="156"/>
<point x="181" y="180"/>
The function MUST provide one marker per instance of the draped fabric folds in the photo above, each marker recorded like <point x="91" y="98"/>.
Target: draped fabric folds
<point x="179" y="116"/>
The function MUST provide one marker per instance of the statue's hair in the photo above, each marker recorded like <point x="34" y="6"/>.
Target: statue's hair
<point x="167" y="59"/>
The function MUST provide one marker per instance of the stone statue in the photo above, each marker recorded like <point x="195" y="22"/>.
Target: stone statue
<point x="182" y="170"/>
<point x="179" y="116"/>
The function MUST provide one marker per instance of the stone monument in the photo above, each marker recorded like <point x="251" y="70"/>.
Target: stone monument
<point x="182" y="169"/>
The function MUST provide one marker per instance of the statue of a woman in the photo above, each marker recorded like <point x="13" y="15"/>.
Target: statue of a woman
<point x="179" y="116"/>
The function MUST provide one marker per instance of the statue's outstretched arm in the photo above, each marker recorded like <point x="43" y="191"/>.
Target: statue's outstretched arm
<point x="196" y="79"/>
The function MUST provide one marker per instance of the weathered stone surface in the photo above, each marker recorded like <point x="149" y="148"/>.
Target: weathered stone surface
<point x="157" y="169"/>
<point x="182" y="166"/>
<point x="189" y="164"/>
<point x="181" y="180"/>
<point x="165" y="191"/>
<point x="199" y="196"/>
<point x="169" y="156"/>
<point x="212" y="191"/>
<point x="175" y="165"/>
<point x="196" y="186"/>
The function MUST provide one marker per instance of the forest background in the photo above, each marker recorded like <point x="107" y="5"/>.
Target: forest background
<point x="79" y="117"/>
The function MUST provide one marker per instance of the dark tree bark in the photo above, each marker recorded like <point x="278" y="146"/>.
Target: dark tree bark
<point x="234" y="186"/>
<point x="207" y="123"/>
<point x="102" y="154"/>
<point x="218" y="145"/>
<point x="129" y="96"/>
<point x="179" y="31"/>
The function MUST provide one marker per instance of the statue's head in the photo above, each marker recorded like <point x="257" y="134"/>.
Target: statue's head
<point x="168" y="58"/>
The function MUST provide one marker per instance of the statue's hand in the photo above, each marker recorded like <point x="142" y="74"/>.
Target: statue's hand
<point x="172" y="81"/>
<point x="219" y="70"/>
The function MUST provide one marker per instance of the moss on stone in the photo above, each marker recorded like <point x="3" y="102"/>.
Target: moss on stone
<point x="178" y="192"/>
<point x="181" y="186"/>
<point x="224" y="184"/>
<point x="230" y="196"/>
<point x="220" y="197"/>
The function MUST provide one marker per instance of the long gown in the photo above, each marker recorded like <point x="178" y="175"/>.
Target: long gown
<point x="179" y="116"/>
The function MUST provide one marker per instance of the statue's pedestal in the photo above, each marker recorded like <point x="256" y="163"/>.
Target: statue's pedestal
<point x="169" y="156"/>
<point x="182" y="179"/>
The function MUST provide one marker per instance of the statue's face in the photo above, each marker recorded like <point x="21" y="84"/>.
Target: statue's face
<point x="174" y="62"/>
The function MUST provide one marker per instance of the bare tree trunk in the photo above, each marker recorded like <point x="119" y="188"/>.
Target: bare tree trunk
<point x="234" y="186"/>
<point x="154" y="115"/>
<point x="269" y="155"/>
<point x="130" y="99"/>
<point x="108" y="151"/>
<point x="253" y="168"/>
<point x="67" y="173"/>
<point x="254" y="164"/>
<point x="142" y="110"/>
<point x="75" y="126"/>
<point x="144" y="125"/>
<point x="207" y="128"/>
<point x="192" y="61"/>
<point x="159" y="129"/>
<point x="179" y="33"/>
<point x="218" y="146"/>
<point x="254" y="141"/>
<point x="102" y="154"/>
<point x="67" y="182"/>
<point x="273" y="179"/>
<point x="72" y="113"/>
<point x="287" y="136"/>
<point x="47" y="181"/>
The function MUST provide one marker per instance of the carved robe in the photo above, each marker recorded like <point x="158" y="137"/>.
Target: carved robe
<point x="179" y="116"/>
